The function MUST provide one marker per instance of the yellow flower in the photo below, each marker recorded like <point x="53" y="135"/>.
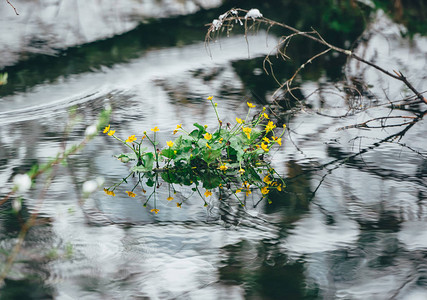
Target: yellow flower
<point x="208" y="136"/>
<point x="223" y="167"/>
<point x="178" y="204"/>
<point x="106" y="129"/>
<point x="169" y="198"/>
<point x="238" y="191"/>
<point x="108" y="192"/>
<point x="241" y="171"/>
<point x="177" y="127"/>
<point x="265" y="116"/>
<point x="264" y="190"/>
<point x="155" y="129"/>
<point x="208" y="193"/>
<point x="131" y="138"/>
<point x="210" y="98"/>
<point x="266" y="139"/>
<point x="279" y="187"/>
<point x="248" y="192"/>
<point x="170" y="143"/>
<point x="238" y="120"/>
<point x="270" y="126"/>
<point x="220" y="140"/>
<point x="207" y="145"/>
<point x="279" y="141"/>
<point x="111" y="132"/>
<point x="264" y="147"/>
<point x="247" y="131"/>
<point x="143" y="137"/>
<point x="250" y="105"/>
<point x="267" y="180"/>
<point x="131" y="194"/>
<point x="284" y="126"/>
<point x="155" y="210"/>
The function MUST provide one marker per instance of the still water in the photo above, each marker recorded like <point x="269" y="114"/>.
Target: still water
<point x="350" y="225"/>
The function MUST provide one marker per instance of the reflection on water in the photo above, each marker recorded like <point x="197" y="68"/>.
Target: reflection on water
<point x="350" y="225"/>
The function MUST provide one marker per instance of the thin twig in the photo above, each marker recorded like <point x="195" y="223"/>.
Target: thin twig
<point x="315" y="36"/>
<point x="16" y="12"/>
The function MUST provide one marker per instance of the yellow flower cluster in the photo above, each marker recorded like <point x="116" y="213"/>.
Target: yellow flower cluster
<point x="264" y="147"/>
<point x="270" y="126"/>
<point x="223" y="167"/>
<point x="131" y="194"/>
<point x="107" y="129"/>
<point x="108" y="192"/>
<point x="277" y="140"/>
<point x="208" y="136"/>
<point x="177" y="128"/>
<point x="270" y="184"/>
<point x="264" y="190"/>
<point x="247" y="131"/>
<point x="131" y="139"/>
<point x="246" y="186"/>
<point x="250" y="105"/>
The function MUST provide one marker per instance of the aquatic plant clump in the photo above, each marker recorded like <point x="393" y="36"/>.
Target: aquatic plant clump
<point x="232" y="157"/>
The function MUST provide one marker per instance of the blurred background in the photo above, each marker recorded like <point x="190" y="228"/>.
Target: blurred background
<point x="352" y="221"/>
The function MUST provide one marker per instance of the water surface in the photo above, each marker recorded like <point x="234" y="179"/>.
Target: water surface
<point x="351" y="224"/>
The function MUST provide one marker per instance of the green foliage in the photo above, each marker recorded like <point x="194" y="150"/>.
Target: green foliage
<point x="3" y="78"/>
<point x="231" y="156"/>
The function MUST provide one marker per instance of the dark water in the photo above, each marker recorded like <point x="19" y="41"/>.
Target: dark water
<point x="350" y="225"/>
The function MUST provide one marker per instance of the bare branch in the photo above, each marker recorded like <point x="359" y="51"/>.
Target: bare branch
<point x="315" y="36"/>
<point x="16" y="12"/>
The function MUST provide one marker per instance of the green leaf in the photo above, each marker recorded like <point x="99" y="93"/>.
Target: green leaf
<point x="169" y="177"/>
<point x="195" y="134"/>
<point x="141" y="169"/>
<point x="129" y="156"/>
<point x="236" y="144"/>
<point x="169" y="153"/>
<point x="200" y="127"/>
<point x="147" y="163"/>
<point x="148" y="160"/>
<point x="150" y="182"/>
<point x="210" y="180"/>
<point x="210" y="155"/>
<point x="184" y="155"/>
